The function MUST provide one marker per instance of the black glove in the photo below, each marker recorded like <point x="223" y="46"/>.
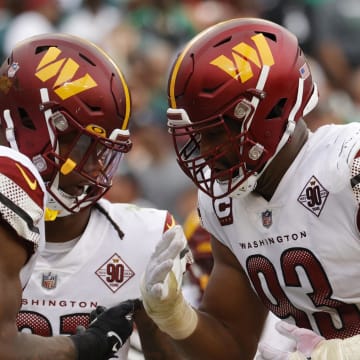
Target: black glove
<point x="107" y="333"/>
<point x="95" y="313"/>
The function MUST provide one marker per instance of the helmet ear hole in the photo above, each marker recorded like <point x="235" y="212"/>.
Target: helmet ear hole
<point x="25" y="119"/>
<point x="87" y="59"/>
<point x="40" y="49"/>
<point x="92" y="108"/>
<point x="277" y="110"/>
<point x="224" y="41"/>
<point x="269" y="35"/>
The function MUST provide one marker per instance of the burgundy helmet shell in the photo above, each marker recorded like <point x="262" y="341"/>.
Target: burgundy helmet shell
<point x="55" y="84"/>
<point x="247" y="70"/>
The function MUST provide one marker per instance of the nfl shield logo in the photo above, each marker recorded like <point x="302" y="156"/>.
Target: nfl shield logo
<point x="49" y="281"/>
<point x="266" y="218"/>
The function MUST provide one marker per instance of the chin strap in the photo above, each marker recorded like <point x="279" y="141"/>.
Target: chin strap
<point x="10" y="132"/>
<point x="250" y="184"/>
<point x="44" y="95"/>
<point x="50" y="215"/>
<point x="290" y="127"/>
<point x="54" y="208"/>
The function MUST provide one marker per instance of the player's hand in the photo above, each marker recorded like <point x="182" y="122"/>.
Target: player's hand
<point x="161" y="285"/>
<point x="106" y="333"/>
<point x="95" y="313"/>
<point x="305" y="343"/>
<point x="310" y="345"/>
<point x="171" y="255"/>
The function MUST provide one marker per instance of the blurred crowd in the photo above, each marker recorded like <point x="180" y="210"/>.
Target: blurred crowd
<point x="144" y="36"/>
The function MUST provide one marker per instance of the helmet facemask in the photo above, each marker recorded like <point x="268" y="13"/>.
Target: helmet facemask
<point x="87" y="152"/>
<point x="237" y="176"/>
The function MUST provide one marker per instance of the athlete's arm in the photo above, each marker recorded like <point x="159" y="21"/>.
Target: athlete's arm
<point x="15" y="345"/>
<point x="156" y="345"/>
<point x="231" y="315"/>
<point x="101" y="340"/>
<point x="230" y="318"/>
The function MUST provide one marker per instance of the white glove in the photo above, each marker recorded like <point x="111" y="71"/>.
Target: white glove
<point x="171" y="254"/>
<point x="161" y="285"/>
<point x="310" y="345"/>
<point x="306" y="341"/>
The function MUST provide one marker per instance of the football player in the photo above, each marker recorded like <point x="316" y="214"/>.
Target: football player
<point x="197" y="276"/>
<point x="66" y="105"/>
<point x="22" y="200"/>
<point x="281" y="203"/>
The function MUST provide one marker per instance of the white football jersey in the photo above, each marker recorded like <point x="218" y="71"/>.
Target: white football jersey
<point x="70" y="280"/>
<point x="22" y="199"/>
<point x="301" y="249"/>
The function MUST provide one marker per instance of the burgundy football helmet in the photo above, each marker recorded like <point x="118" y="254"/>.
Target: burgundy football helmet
<point x="246" y="77"/>
<point x="58" y="88"/>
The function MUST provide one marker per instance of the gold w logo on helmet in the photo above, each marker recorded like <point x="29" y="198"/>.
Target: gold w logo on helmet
<point x="64" y="69"/>
<point x="243" y="54"/>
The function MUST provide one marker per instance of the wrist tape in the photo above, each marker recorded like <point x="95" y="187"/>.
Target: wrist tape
<point x="173" y="315"/>
<point x="335" y="349"/>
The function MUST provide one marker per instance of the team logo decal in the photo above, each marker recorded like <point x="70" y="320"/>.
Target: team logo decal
<point x="49" y="281"/>
<point x="31" y="183"/>
<point x="115" y="273"/>
<point x="243" y="55"/>
<point x="63" y="71"/>
<point x="266" y="217"/>
<point x="313" y="196"/>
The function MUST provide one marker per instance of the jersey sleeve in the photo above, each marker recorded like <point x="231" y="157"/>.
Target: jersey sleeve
<point x="22" y="195"/>
<point x="169" y="222"/>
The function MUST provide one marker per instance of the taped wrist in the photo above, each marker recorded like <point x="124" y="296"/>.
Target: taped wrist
<point x="336" y="349"/>
<point x="173" y="315"/>
<point x="91" y="345"/>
